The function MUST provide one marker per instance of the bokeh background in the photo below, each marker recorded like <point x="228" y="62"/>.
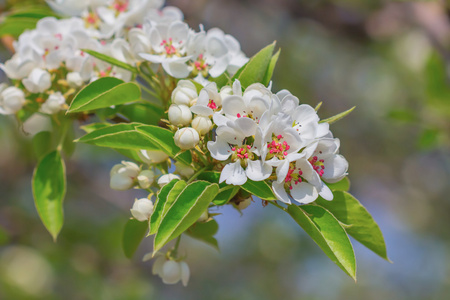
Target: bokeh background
<point x="390" y="59"/>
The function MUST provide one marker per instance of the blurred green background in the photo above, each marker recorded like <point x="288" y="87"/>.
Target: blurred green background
<point x="391" y="59"/>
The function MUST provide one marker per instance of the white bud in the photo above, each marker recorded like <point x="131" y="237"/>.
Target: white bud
<point x="74" y="79"/>
<point x="12" y="100"/>
<point x="186" y="138"/>
<point x="142" y="209"/>
<point x="184" y="93"/>
<point x="123" y="176"/>
<point x="152" y="156"/>
<point x="244" y="204"/>
<point x="145" y="179"/>
<point x="202" y="124"/>
<point x="184" y="170"/>
<point x="38" y="81"/>
<point x="204" y="217"/>
<point x="171" y="272"/>
<point x="165" y="179"/>
<point x="180" y="115"/>
<point x="53" y="104"/>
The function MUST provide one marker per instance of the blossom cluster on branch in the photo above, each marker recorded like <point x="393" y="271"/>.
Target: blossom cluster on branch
<point x="197" y="120"/>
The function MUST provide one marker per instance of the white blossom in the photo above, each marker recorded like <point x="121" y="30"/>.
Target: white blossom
<point x="166" y="178"/>
<point x="202" y="124"/>
<point x="38" y="81"/>
<point x="186" y="138"/>
<point x="145" y="179"/>
<point x="55" y="103"/>
<point x="74" y="79"/>
<point x="12" y="99"/>
<point x="171" y="271"/>
<point x="185" y="93"/>
<point x="153" y="156"/>
<point x="142" y="209"/>
<point x="180" y="115"/>
<point x="123" y="176"/>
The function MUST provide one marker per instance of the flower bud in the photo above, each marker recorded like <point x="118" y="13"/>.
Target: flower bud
<point x="152" y="156"/>
<point x="12" y="100"/>
<point x="142" y="209"/>
<point x="123" y="176"/>
<point x="204" y="217"/>
<point x="74" y="79"/>
<point x="225" y="92"/>
<point x="38" y="81"/>
<point x="186" y="138"/>
<point x="184" y="93"/>
<point x="243" y="204"/>
<point x="54" y="104"/>
<point x="145" y="179"/>
<point x="180" y="115"/>
<point x="202" y="124"/>
<point x="171" y="271"/>
<point x="165" y="179"/>
<point x="184" y="170"/>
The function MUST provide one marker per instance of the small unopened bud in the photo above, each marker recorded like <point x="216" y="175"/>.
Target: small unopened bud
<point x="225" y="92"/>
<point x="142" y="209"/>
<point x="202" y="124"/>
<point x="184" y="93"/>
<point x="152" y="156"/>
<point x="38" y="81"/>
<point x="54" y="104"/>
<point x="74" y="79"/>
<point x="123" y="176"/>
<point x="180" y="115"/>
<point x="171" y="271"/>
<point x="184" y="170"/>
<point x="186" y="138"/>
<point x="165" y="179"/>
<point x="145" y="179"/>
<point x="12" y="100"/>
<point x="243" y="204"/>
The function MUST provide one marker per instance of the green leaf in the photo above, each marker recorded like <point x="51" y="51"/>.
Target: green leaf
<point x="133" y="234"/>
<point x="185" y="211"/>
<point x="111" y="60"/>
<point x="16" y="26"/>
<point x="205" y="231"/>
<point x="68" y="144"/>
<point x="146" y="113"/>
<point x="362" y="227"/>
<point x="42" y="143"/>
<point x="256" y="69"/>
<point x="164" y="199"/>
<point x="271" y="68"/>
<point x="223" y="197"/>
<point x="260" y="189"/>
<point x="163" y="139"/>
<point x="4" y="236"/>
<point x="221" y="81"/>
<point x="49" y="189"/>
<point x="337" y="117"/>
<point x="198" y="86"/>
<point x="104" y="92"/>
<point x="120" y="136"/>
<point x="94" y="126"/>
<point x="343" y="185"/>
<point x="328" y="233"/>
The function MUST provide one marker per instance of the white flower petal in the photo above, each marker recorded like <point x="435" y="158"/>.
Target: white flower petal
<point x="219" y="149"/>
<point x="257" y="171"/>
<point x="304" y="192"/>
<point x="280" y="192"/>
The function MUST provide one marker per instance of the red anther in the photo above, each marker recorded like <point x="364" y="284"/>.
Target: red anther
<point x="238" y="115"/>
<point x="300" y="172"/>
<point x="233" y="149"/>
<point x="290" y="187"/>
<point x="279" y="136"/>
<point x="321" y="160"/>
<point x="285" y="153"/>
<point x="249" y="147"/>
<point x="200" y="56"/>
<point x="246" y="155"/>
<point x="288" y="147"/>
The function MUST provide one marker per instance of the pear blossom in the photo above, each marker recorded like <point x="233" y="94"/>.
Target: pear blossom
<point x="74" y="79"/>
<point x="185" y="93"/>
<point x="22" y="63"/>
<point x="186" y="138"/>
<point x="179" y="115"/>
<point x="55" y="103"/>
<point x="230" y="142"/>
<point x="202" y="124"/>
<point x="145" y="179"/>
<point x="171" y="271"/>
<point x="166" y="178"/>
<point x="12" y="99"/>
<point x="38" y="81"/>
<point x="209" y="101"/>
<point x="123" y="176"/>
<point x="152" y="156"/>
<point x="142" y="209"/>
